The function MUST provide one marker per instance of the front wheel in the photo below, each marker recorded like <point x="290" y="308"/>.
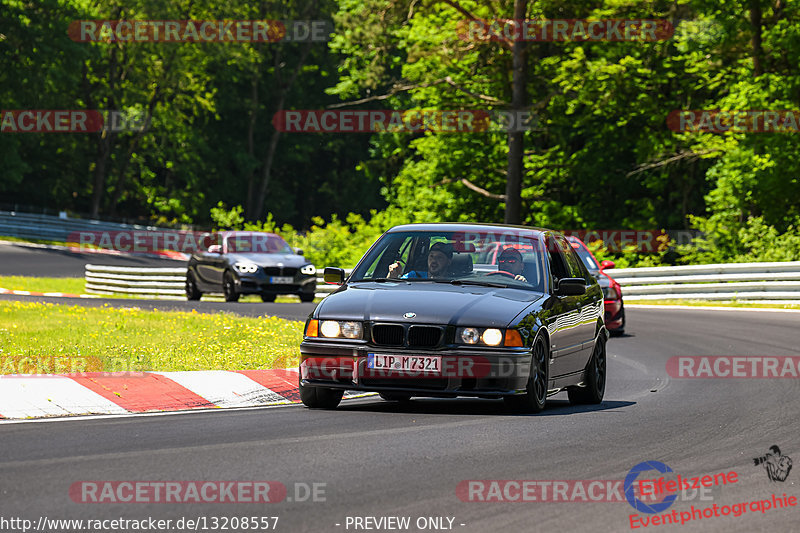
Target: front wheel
<point x="307" y="297"/>
<point x="229" y="288"/>
<point x="536" y="389"/>
<point x="320" y="397"/>
<point x="268" y="297"/>
<point x="192" y="292"/>
<point x="595" y="377"/>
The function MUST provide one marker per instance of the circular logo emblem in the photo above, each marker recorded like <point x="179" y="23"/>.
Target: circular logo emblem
<point x="409" y="315"/>
<point x="630" y="484"/>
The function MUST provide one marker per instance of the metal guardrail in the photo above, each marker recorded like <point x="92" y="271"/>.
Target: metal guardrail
<point x="777" y="282"/>
<point x="158" y="282"/>
<point x="752" y="282"/>
<point x="58" y="229"/>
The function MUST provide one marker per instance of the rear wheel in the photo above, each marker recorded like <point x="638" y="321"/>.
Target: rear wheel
<point x="229" y="288"/>
<point x="192" y="292"/>
<point x="536" y="389"/>
<point x="395" y="396"/>
<point x="320" y="397"/>
<point x="268" y="297"/>
<point x="595" y="379"/>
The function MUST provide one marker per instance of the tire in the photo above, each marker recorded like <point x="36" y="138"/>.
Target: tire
<point x="320" y="397"/>
<point x="395" y="396"/>
<point x="229" y="288"/>
<point x="595" y="379"/>
<point x="192" y="292"/>
<point x="535" y="397"/>
<point x="307" y="297"/>
<point x="620" y="331"/>
<point x="268" y="297"/>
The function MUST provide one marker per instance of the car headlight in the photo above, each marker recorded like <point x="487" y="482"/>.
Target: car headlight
<point x="492" y="337"/>
<point x="610" y="293"/>
<point x="489" y="337"/>
<point x="470" y="335"/>
<point x="333" y="329"/>
<point x="308" y="270"/>
<point x="246" y="268"/>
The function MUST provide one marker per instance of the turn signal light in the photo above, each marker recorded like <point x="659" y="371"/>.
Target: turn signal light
<point x="513" y="338"/>
<point x="312" y="330"/>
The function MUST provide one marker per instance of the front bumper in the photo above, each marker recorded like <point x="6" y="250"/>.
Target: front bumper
<point x="465" y="371"/>
<point x="259" y="283"/>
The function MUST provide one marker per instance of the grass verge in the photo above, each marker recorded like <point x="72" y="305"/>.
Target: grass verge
<point x="50" y="335"/>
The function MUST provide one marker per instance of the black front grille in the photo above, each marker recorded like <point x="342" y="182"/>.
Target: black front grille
<point x="280" y="271"/>
<point x="388" y="334"/>
<point x="424" y="335"/>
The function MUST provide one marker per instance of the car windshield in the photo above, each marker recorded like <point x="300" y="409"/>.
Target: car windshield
<point x="586" y="257"/>
<point x="256" y="243"/>
<point x="503" y="258"/>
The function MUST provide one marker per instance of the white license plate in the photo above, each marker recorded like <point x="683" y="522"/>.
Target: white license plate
<point x="404" y="363"/>
<point x="281" y="280"/>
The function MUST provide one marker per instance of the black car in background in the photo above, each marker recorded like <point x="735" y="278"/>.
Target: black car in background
<point x="250" y="262"/>
<point x="423" y="314"/>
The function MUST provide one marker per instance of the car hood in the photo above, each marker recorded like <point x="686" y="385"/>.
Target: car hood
<point x="262" y="260"/>
<point x="432" y="303"/>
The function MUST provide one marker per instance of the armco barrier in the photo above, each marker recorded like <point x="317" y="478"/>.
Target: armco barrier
<point x="752" y="282"/>
<point x="159" y="282"/>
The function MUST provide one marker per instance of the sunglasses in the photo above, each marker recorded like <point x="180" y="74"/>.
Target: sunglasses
<point x="512" y="261"/>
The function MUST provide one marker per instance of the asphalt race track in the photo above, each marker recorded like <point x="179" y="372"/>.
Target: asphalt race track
<point x="380" y="459"/>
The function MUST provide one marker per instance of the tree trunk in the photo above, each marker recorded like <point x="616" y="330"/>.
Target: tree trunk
<point x="755" y="43"/>
<point x="516" y="139"/>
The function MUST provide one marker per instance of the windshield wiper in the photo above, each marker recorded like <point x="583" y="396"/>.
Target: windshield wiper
<point x="475" y="282"/>
<point x="377" y="280"/>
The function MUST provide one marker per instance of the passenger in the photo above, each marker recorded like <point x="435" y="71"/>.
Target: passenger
<point x="439" y="258"/>
<point x="510" y="261"/>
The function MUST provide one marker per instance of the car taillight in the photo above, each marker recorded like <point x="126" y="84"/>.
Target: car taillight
<point x="610" y="293"/>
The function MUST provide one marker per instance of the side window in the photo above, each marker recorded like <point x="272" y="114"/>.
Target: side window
<point x="557" y="267"/>
<point x="574" y="264"/>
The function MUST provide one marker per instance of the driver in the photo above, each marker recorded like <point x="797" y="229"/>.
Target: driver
<point x="439" y="258"/>
<point x="510" y="261"/>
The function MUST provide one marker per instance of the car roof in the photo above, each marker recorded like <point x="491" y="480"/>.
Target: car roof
<point x="469" y="226"/>
<point x="236" y="233"/>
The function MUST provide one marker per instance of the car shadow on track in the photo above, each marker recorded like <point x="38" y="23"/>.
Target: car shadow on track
<point x="468" y="406"/>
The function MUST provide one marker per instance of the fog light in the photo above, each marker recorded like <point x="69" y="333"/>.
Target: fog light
<point x="470" y="335"/>
<point x="492" y="337"/>
<point x="329" y="328"/>
<point x="351" y="330"/>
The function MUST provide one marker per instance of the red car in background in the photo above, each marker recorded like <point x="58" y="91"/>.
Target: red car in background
<point x="612" y="292"/>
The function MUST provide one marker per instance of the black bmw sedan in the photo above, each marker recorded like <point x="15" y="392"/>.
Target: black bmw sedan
<point x="250" y="262"/>
<point x="424" y="314"/>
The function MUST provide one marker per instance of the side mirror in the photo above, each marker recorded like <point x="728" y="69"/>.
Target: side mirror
<point x="607" y="264"/>
<point x="333" y="275"/>
<point x="571" y="287"/>
<point x="215" y="249"/>
<point x="298" y="251"/>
